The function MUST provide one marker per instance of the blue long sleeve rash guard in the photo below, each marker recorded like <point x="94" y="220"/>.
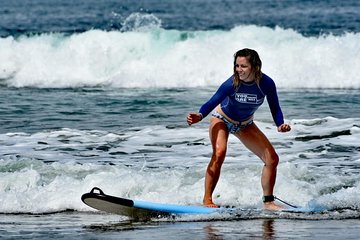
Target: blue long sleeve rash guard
<point x="241" y="103"/>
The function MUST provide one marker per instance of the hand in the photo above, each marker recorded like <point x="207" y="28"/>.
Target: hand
<point x="193" y="118"/>
<point x="284" y="128"/>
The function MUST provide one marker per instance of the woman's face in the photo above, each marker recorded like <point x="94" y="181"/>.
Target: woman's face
<point x="243" y="69"/>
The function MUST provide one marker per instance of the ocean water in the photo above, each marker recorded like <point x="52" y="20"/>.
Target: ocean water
<point x="96" y="93"/>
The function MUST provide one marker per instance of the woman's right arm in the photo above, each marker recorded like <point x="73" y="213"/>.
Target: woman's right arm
<point x="223" y="91"/>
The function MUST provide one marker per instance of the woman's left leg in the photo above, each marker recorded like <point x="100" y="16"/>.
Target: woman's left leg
<point x="256" y="141"/>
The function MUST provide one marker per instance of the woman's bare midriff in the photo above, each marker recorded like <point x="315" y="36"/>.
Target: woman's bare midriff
<point x="219" y="110"/>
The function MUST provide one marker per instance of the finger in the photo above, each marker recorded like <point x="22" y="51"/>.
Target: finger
<point x="286" y="128"/>
<point x="189" y="120"/>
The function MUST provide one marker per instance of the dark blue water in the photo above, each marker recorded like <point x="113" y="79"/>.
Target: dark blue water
<point x="308" y="17"/>
<point x="32" y="109"/>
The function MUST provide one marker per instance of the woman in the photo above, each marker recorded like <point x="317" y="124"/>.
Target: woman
<point x="235" y="103"/>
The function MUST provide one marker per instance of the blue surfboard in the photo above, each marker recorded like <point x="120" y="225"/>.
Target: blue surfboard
<point x="97" y="199"/>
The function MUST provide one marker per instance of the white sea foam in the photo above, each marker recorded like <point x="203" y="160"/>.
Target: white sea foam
<point x="170" y="58"/>
<point x="49" y="171"/>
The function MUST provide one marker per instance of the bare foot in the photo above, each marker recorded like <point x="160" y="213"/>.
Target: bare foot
<point x="210" y="204"/>
<point x="272" y="206"/>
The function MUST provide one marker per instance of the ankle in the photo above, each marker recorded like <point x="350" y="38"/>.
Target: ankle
<point x="268" y="198"/>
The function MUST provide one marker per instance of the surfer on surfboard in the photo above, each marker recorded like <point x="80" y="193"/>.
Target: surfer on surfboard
<point x="233" y="107"/>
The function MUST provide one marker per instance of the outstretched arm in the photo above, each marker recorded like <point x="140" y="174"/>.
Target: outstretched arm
<point x="224" y="90"/>
<point x="271" y="94"/>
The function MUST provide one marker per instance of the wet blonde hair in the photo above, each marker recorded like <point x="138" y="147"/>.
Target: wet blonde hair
<point x="255" y="62"/>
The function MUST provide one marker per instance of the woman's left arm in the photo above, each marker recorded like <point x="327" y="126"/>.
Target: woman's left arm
<point x="273" y="101"/>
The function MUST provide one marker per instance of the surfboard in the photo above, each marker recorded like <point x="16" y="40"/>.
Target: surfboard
<point x="97" y="199"/>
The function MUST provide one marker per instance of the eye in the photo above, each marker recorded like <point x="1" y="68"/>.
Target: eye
<point x="237" y="65"/>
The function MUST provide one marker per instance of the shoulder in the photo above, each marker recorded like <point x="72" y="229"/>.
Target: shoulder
<point x="229" y="81"/>
<point x="267" y="85"/>
<point x="227" y="85"/>
<point x="265" y="79"/>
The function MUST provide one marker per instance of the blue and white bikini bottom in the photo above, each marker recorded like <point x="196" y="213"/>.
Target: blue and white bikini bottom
<point x="232" y="128"/>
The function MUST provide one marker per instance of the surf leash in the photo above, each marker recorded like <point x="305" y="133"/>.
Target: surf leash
<point x="285" y="202"/>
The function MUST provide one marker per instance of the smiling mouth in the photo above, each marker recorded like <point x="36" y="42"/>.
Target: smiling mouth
<point x="244" y="78"/>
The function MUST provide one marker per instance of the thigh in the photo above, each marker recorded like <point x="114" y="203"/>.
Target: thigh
<point x="218" y="134"/>
<point x="256" y="141"/>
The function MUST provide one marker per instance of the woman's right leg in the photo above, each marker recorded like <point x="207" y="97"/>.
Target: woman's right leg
<point x="219" y="137"/>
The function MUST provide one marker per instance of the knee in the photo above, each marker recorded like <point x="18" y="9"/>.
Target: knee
<point x="219" y="154"/>
<point x="271" y="159"/>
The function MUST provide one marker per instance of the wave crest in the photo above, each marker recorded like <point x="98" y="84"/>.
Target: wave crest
<point x="145" y="55"/>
